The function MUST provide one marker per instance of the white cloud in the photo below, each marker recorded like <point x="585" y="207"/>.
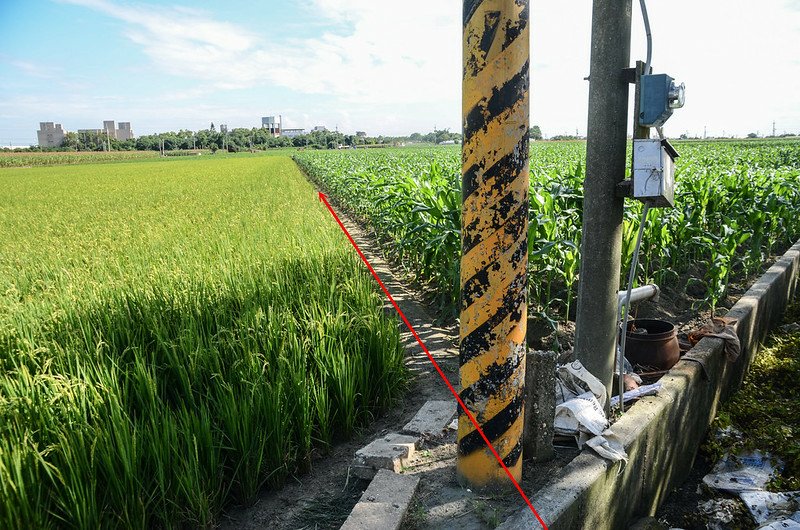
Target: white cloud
<point x="187" y="42"/>
<point x="391" y="55"/>
<point x="35" y="70"/>
<point x="395" y="67"/>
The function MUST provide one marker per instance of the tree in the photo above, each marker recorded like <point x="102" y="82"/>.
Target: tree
<point x="147" y="143"/>
<point x="535" y="133"/>
<point x="212" y="127"/>
<point x="70" y="141"/>
<point x="752" y="135"/>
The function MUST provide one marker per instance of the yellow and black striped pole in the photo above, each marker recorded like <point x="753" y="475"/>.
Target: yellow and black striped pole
<point x="494" y="239"/>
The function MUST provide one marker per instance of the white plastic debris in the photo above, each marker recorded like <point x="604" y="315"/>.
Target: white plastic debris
<point x="747" y="475"/>
<point x="636" y="393"/>
<point x="580" y="397"/>
<point x="766" y="506"/>
<point x="609" y="446"/>
<point x="792" y="523"/>
<point x="747" y="472"/>
<point x="582" y="413"/>
<point x="720" y="513"/>
<point x="574" y="379"/>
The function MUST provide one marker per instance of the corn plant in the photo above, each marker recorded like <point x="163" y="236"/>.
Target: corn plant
<point x="411" y="198"/>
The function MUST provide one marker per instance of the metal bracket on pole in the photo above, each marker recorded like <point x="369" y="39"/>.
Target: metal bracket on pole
<point x="630" y="75"/>
<point x="624" y="188"/>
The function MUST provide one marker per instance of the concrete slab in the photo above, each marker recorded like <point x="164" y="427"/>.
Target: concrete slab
<point x="389" y="452"/>
<point x="385" y="502"/>
<point x="432" y="419"/>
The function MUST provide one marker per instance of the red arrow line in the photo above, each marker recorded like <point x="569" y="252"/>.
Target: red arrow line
<point x="324" y="198"/>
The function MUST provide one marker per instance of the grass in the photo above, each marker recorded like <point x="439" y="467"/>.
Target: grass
<point x="766" y="408"/>
<point x="173" y="336"/>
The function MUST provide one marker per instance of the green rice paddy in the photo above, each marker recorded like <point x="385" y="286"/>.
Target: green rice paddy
<point x="173" y="336"/>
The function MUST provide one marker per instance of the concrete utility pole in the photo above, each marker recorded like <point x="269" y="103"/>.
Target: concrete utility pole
<point x="596" y="322"/>
<point x="495" y="111"/>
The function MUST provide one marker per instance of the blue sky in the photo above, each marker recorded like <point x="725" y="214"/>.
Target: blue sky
<point x="373" y="65"/>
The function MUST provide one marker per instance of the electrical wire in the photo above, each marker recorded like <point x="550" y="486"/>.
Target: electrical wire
<point x="649" y="37"/>
<point x="635" y="260"/>
<point x="627" y="303"/>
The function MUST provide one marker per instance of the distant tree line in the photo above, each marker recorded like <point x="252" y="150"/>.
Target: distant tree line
<point x="435" y="137"/>
<point x="259" y="138"/>
<point x="239" y="139"/>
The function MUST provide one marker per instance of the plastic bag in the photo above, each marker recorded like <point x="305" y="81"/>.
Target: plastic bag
<point x="582" y="413"/>
<point x="574" y="379"/>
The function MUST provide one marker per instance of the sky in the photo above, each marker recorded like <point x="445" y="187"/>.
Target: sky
<point x="383" y="67"/>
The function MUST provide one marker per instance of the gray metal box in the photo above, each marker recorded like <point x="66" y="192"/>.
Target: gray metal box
<point x="654" y="172"/>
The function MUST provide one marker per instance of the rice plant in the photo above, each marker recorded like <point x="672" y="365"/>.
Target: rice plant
<point x="174" y="336"/>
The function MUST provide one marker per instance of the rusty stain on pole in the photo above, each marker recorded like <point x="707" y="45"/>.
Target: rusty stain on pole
<point x="494" y="224"/>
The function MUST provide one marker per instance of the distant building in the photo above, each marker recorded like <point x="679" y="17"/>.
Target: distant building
<point x="110" y="130"/>
<point x="50" y="134"/>
<point x="319" y="128"/>
<point x="223" y="128"/>
<point x="291" y="133"/>
<point x="124" y="132"/>
<point x="361" y="134"/>
<point x="272" y="125"/>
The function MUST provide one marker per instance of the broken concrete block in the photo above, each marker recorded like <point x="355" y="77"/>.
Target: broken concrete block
<point x="432" y="419"/>
<point x="384" y="503"/>
<point x="387" y="452"/>
<point x="540" y="404"/>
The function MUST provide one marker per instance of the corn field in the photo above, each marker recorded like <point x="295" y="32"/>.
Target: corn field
<point x="54" y="158"/>
<point x="736" y="204"/>
<point x="173" y="336"/>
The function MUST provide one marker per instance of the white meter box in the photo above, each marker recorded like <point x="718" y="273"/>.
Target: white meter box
<point x="654" y="172"/>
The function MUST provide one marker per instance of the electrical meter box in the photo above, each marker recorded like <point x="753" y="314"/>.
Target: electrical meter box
<point x="654" y="172"/>
<point x="658" y="96"/>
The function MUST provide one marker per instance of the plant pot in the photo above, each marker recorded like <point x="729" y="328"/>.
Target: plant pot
<point x="656" y="347"/>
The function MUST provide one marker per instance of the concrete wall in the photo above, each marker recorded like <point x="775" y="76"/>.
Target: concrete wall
<point x="662" y="433"/>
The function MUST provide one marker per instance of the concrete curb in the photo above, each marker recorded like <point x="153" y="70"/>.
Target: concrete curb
<point x="388" y="496"/>
<point x="662" y="433"/>
<point x="384" y="503"/>
<point x="385" y="452"/>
